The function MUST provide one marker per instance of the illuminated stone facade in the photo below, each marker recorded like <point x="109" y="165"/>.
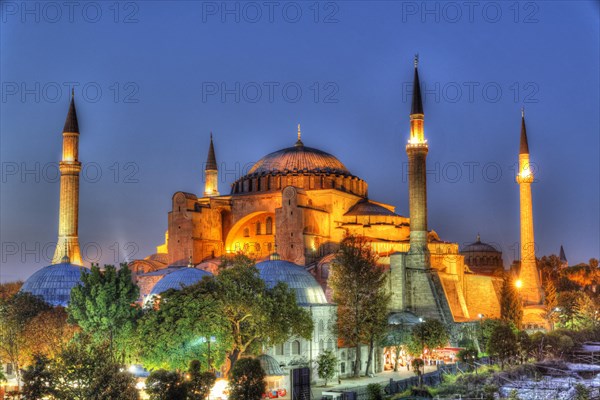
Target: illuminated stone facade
<point x="70" y="167"/>
<point x="303" y="201"/>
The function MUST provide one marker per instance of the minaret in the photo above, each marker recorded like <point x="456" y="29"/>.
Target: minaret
<point x="417" y="149"/>
<point x="530" y="280"/>
<point x="211" y="172"/>
<point x="70" y="167"/>
<point x="563" y="258"/>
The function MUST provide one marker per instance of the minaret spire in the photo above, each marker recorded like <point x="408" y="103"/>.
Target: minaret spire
<point x="211" y="172"/>
<point x="417" y="102"/>
<point x="528" y="275"/>
<point x="417" y="149"/>
<point x="524" y="146"/>
<point x="70" y="167"/>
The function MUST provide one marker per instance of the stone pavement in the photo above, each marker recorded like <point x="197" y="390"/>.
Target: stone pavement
<point x="382" y="378"/>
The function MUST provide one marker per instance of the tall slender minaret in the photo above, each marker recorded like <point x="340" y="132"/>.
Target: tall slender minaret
<point x="417" y="149"/>
<point x="211" y="172"/>
<point x="70" y="167"/>
<point x="531" y="289"/>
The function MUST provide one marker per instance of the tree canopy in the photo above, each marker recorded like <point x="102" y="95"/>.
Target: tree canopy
<point x="104" y="304"/>
<point x="358" y="285"/>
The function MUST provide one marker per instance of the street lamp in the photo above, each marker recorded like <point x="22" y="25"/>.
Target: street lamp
<point x="208" y="340"/>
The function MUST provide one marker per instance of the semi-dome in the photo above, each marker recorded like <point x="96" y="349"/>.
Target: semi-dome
<point x="54" y="282"/>
<point x="185" y="276"/>
<point x="308" y="291"/>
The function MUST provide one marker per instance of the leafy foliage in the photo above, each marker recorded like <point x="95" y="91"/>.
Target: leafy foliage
<point x="86" y="370"/>
<point x="199" y="383"/>
<point x="430" y="334"/>
<point x="502" y="343"/>
<point x="374" y="391"/>
<point x="16" y="312"/>
<point x="166" y="385"/>
<point x="177" y="332"/>
<point x="326" y="365"/>
<point x="358" y="286"/>
<point x="255" y="313"/>
<point x="38" y="380"/>
<point x="247" y="380"/>
<point x="103" y="305"/>
<point x="511" y="305"/>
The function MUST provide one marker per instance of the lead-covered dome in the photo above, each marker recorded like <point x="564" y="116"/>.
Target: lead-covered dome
<point x="185" y="276"/>
<point x="299" y="158"/>
<point x="54" y="283"/>
<point x="302" y="167"/>
<point x="307" y="290"/>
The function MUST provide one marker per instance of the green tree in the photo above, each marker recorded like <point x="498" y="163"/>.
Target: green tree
<point x="358" y="285"/>
<point x="418" y="366"/>
<point x="38" y="380"/>
<point x="430" y="334"/>
<point x="468" y="356"/>
<point x="502" y="343"/>
<point x="86" y="370"/>
<point x="247" y="380"/>
<point x="568" y="304"/>
<point x="199" y="383"/>
<point x="256" y="315"/>
<point x="524" y="346"/>
<point x="16" y="312"/>
<point x="511" y="305"/>
<point x="176" y="332"/>
<point x="166" y="385"/>
<point x="374" y="391"/>
<point x="326" y="365"/>
<point x="104" y="305"/>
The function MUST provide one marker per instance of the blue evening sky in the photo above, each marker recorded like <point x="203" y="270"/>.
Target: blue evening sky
<point x="153" y="78"/>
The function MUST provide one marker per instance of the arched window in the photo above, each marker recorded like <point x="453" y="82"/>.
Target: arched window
<point x="330" y="344"/>
<point x="321" y="346"/>
<point x="269" y="226"/>
<point x="246" y="232"/>
<point x="296" y="347"/>
<point x="279" y="350"/>
<point x="258" y="227"/>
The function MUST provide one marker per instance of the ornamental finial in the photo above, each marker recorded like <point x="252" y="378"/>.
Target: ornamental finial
<point x="299" y="133"/>
<point x="522" y="112"/>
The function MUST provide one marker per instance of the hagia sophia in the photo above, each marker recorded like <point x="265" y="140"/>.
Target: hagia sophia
<point x="290" y="212"/>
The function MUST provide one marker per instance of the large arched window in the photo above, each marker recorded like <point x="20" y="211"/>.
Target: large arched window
<point x="296" y="347"/>
<point x="269" y="226"/>
<point x="246" y="232"/>
<point x="258" y="227"/>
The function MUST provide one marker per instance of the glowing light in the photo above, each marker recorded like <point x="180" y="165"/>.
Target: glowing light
<point x="519" y="284"/>
<point x="132" y="368"/>
<point x="220" y="389"/>
<point x="140" y="385"/>
<point x="525" y="173"/>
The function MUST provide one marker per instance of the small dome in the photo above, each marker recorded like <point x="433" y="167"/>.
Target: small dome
<point x="184" y="276"/>
<point x="54" y="283"/>
<point x="299" y="158"/>
<point x="479" y="247"/>
<point x="270" y="365"/>
<point x="308" y="291"/>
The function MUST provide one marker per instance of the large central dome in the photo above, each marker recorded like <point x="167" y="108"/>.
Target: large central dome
<point x="299" y="158"/>
<point x="302" y="167"/>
